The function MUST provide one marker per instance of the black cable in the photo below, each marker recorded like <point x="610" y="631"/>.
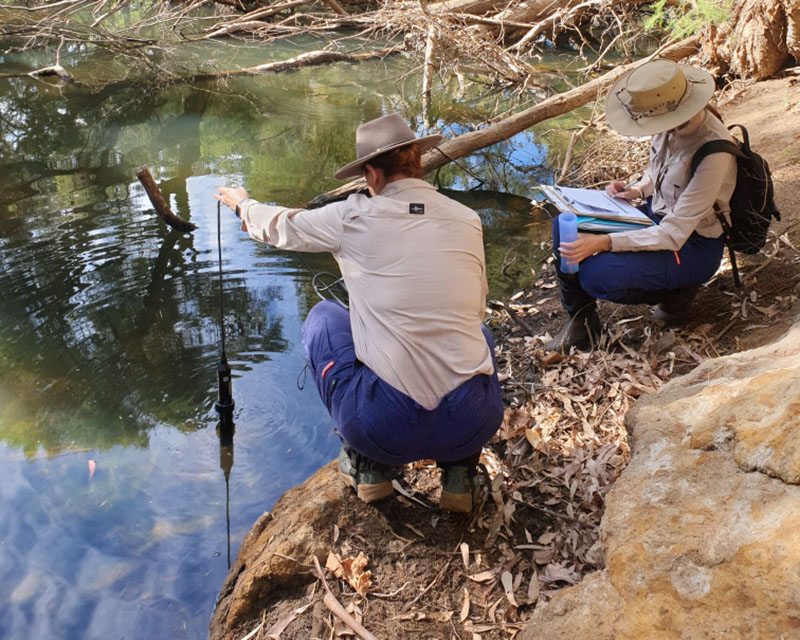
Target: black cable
<point x="225" y="403"/>
<point x="219" y="249"/>
<point x="336" y="288"/>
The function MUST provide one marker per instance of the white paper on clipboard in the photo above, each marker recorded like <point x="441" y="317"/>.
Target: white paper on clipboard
<point x="594" y="203"/>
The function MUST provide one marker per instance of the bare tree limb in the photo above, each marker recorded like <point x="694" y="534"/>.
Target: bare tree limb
<point x="312" y="58"/>
<point x="159" y="204"/>
<point x="557" y="105"/>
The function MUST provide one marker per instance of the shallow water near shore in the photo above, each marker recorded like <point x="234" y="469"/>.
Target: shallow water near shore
<point x="115" y="517"/>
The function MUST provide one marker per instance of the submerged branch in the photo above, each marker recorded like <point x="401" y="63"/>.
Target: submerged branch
<point x="312" y="58"/>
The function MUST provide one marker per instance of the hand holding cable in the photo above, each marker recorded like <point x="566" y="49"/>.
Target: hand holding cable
<point x="231" y="197"/>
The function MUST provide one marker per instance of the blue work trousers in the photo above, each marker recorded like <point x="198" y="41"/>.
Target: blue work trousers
<point x="628" y="276"/>
<point x="382" y="423"/>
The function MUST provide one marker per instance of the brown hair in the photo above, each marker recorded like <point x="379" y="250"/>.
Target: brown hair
<point x="713" y="109"/>
<point x="406" y="160"/>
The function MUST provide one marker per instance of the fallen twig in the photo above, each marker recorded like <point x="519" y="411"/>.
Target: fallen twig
<point x="338" y="610"/>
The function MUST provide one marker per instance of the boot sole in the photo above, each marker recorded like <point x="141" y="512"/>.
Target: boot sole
<point x="368" y="492"/>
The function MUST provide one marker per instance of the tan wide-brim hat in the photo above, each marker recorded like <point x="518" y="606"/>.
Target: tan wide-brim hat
<point x="379" y="136"/>
<point x="657" y="96"/>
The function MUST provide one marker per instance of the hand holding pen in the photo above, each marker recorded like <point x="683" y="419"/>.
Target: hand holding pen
<point x="618" y="189"/>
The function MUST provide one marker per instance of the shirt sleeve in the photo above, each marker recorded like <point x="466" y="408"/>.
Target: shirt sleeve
<point x="645" y="183"/>
<point x="696" y="202"/>
<point x="309" y="230"/>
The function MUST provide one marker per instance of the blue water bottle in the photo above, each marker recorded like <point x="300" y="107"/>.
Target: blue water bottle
<point x="568" y="232"/>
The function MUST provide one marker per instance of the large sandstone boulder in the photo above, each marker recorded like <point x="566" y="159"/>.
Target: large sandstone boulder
<point x="702" y="530"/>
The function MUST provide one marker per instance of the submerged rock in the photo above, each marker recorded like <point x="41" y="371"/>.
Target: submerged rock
<point x="702" y="530"/>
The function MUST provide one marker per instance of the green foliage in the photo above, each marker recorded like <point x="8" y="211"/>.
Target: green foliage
<point x="683" y="18"/>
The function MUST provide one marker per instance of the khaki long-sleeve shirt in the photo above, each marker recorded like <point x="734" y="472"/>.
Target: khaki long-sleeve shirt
<point x="686" y="205"/>
<point x="414" y="266"/>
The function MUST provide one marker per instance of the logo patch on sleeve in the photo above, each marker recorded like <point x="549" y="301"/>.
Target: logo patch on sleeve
<point x="416" y="208"/>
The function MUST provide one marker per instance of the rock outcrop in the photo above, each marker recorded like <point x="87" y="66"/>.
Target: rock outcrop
<point x="275" y="553"/>
<point x="702" y="530"/>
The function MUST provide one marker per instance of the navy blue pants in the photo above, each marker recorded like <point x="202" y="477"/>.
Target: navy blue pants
<point x="383" y="423"/>
<point x="622" y="276"/>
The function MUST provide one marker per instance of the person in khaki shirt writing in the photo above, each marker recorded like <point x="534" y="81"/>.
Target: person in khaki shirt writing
<point x="663" y="264"/>
<point x="407" y="373"/>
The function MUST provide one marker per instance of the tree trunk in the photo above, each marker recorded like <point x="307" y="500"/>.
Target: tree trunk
<point x="792" y="8"/>
<point x="758" y="40"/>
<point x="472" y="7"/>
<point x="554" y="106"/>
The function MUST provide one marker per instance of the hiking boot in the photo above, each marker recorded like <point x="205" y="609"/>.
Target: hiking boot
<point x="460" y="491"/>
<point x="675" y="306"/>
<point x="366" y="476"/>
<point x="581" y="331"/>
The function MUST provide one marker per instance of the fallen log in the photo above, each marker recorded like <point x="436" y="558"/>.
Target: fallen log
<point x="557" y="105"/>
<point x="312" y="58"/>
<point x="160" y="205"/>
<point x="54" y="70"/>
<point x="473" y="7"/>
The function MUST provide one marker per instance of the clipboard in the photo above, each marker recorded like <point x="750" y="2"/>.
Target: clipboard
<point x="598" y="206"/>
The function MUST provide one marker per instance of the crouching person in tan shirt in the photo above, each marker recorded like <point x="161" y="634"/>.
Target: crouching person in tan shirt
<point x="407" y="372"/>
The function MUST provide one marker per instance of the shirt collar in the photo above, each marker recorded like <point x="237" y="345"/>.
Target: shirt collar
<point x="403" y="185"/>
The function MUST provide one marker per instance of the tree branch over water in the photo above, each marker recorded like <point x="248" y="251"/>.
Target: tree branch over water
<point x="468" y="143"/>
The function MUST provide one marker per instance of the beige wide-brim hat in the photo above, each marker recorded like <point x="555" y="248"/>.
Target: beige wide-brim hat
<point x="657" y="96"/>
<point x="379" y="136"/>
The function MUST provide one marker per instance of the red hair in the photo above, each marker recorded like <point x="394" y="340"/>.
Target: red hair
<point x="405" y="160"/>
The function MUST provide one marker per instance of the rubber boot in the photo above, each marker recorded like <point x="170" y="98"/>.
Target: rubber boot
<point x="582" y="328"/>
<point x="675" y="305"/>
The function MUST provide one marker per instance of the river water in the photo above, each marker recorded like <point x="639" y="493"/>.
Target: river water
<point x="116" y="520"/>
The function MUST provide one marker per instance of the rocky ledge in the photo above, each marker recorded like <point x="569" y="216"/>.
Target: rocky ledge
<point x="701" y="532"/>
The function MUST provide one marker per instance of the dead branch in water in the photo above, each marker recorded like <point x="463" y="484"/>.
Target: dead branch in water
<point x="312" y="58"/>
<point x="160" y="205"/>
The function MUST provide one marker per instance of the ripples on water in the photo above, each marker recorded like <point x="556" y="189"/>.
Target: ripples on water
<point x="109" y="334"/>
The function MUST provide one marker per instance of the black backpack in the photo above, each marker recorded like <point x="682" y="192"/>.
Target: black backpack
<point x="752" y="203"/>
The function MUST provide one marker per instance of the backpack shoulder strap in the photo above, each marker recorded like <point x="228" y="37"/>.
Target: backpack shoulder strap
<point x="715" y="146"/>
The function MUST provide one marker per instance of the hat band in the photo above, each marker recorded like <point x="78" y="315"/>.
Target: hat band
<point x="387" y="147"/>
<point x="660" y="109"/>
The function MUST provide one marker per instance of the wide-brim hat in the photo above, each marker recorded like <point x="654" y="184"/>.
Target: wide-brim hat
<point x="379" y="136"/>
<point x="657" y="96"/>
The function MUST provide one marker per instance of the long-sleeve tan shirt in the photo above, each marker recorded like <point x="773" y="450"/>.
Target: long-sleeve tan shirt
<point x="414" y="266"/>
<point x="686" y="204"/>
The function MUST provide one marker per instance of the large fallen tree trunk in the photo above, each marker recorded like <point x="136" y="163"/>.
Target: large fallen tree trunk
<point x="759" y="38"/>
<point x="554" y="106"/>
<point x="473" y="7"/>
